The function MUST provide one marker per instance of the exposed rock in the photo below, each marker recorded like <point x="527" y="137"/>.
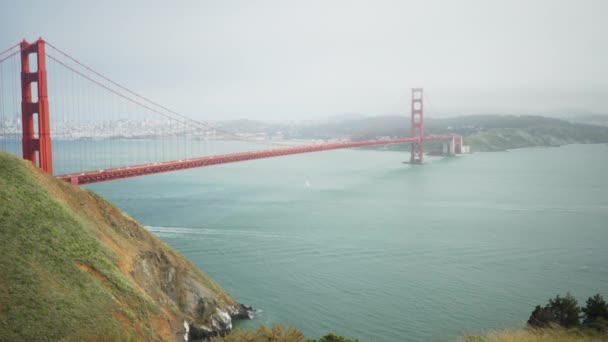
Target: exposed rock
<point x="220" y="321"/>
<point x="221" y="324"/>
<point x="200" y="332"/>
<point x="169" y="283"/>
<point x="241" y="312"/>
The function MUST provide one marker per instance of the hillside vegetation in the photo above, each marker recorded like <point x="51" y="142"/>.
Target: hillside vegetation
<point x="74" y="267"/>
<point x="497" y="133"/>
<point x="555" y="334"/>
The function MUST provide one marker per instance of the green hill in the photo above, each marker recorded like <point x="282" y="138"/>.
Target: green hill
<point x="74" y="267"/>
<point x="482" y="132"/>
<point x="502" y="132"/>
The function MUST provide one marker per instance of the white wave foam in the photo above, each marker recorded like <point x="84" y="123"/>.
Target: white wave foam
<point x="211" y="231"/>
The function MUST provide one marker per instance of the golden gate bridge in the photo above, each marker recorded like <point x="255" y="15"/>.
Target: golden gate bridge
<point x="88" y="106"/>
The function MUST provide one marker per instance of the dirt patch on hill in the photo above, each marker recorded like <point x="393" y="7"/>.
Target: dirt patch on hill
<point x="90" y="270"/>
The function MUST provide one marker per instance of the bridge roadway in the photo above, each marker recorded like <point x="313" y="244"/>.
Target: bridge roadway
<point x="149" y="169"/>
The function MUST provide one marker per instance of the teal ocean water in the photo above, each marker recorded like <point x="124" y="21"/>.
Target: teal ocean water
<point x="358" y="243"/>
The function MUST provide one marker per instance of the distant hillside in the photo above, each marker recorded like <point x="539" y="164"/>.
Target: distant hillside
<point x="482" y="132"/>
<point x="74" y="267"/>
<point x="502" y="132"/>
<point x="588" y="118"/>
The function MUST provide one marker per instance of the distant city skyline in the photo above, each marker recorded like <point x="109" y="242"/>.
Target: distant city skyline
<point x="284" y="60"/>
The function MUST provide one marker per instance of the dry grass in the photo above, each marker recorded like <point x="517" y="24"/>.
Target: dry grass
<point x="539" y="335"/>
<point x="277" y="333"/>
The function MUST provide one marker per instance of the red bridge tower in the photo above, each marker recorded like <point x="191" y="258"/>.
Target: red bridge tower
<point x="35" y="140"/>
<point x="417" y="127"/>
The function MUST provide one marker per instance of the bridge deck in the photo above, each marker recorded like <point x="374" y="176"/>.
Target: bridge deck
<point x="148" y="169"/>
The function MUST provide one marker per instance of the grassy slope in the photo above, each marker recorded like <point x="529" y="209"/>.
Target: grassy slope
<point x="64" y="264"/>
<point x="557" y="334"/>
<point x="539" y="335"/>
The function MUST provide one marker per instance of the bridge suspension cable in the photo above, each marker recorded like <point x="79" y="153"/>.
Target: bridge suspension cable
<point x="106" y="131"/>
<point x="10" y="106"/>
<point x="198" y="123"/>
<point x="8" y="49"/>
<point x="91" y="112"/>
<point x="11" y="54"/>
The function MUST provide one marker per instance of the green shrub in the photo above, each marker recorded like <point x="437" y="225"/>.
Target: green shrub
<point x="596" y="314"/>
<point x="333" y="338"/>
<point x="596" y="309"/>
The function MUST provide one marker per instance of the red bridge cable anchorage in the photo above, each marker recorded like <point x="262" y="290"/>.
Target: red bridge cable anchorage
<point x="205" y="124"/>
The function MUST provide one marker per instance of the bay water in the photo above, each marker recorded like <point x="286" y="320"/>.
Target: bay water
<point x="358" y="243"/>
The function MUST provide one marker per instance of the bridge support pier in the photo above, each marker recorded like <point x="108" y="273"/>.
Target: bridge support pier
<point x="36" y="142"/>
<point x="449" y="148"/>
<point x="457" y="142"/>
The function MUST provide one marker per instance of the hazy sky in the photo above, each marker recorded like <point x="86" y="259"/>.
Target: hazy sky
<point x="312" y="59"/>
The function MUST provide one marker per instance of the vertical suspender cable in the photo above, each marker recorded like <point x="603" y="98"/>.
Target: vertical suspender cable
<point x="14" y="95"/>
<point x="3" y="120"/>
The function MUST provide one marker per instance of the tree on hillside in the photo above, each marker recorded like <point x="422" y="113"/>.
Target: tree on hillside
<point x="596" y="313"/>
<point x="541" y="317"/>
<point x="566" y="310"/>
<point x="596" y="308"/>
<point x="563" y="311"/>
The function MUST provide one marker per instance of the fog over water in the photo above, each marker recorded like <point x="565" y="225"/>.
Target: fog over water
<point x="287" y="60"/>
